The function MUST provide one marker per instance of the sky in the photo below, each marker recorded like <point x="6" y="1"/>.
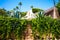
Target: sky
<point x="26" y="4"/>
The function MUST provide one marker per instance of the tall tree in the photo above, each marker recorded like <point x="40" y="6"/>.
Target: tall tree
<point x="59" y="0"/>
<point x="4" y="9"/>
<point x="20" y="4"/>
<point x="2" y="12"/>
<point x="54" y="2"/>
<point x="14" y="9"/>
<point x="58" y="6"/>
<point x="17" y="7"/>
<point x="31" y="6"/>
<point x="35" y="10"/>
<point x="14" y="12"/>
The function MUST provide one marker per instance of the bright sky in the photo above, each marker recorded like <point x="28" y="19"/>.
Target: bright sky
<point x="26" y="4"/>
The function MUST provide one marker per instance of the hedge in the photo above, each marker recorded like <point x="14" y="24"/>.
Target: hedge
<point x="45" y="26"/>
<point x="11" y="27"/>
<point x="14" y="28"/>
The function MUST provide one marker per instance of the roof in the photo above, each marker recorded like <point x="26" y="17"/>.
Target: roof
<point x="49" y="10"/>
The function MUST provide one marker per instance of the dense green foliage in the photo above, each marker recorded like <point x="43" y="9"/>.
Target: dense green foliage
<point x="3" y="12"/>
<point x="58" y="6"/>
<point x="34" y="10"/>
<point x="41" y="26"/>
<point x="11" y="26"/>
<point x="23" y="14"/>
<point x="44" y="25"/>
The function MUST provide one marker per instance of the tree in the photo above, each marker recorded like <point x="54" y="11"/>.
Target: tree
<point x="17" y="12"/>
<point x="58" y="6"/>
<point x="17" y="7"/>
<point x="14" y="9"/>
<point x="2" y="12"/>
<point x="20" y="4"/>
<point x="4" y="9"/>
<point x="23" y="14"/>
<point x="34" y="10"/>
<point x="54" y="2"/>
<point x="59" y="0"/>
<point x="31" y="6"/>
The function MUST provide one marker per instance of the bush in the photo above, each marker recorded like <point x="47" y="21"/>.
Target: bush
<point x="45" y="25"/>
<point x="11" y="26"/>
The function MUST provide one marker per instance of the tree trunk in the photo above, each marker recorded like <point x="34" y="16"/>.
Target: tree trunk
<point x="0" y="38"/>
<point x="28" y="33"/>
<point x="12" y="36"/>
